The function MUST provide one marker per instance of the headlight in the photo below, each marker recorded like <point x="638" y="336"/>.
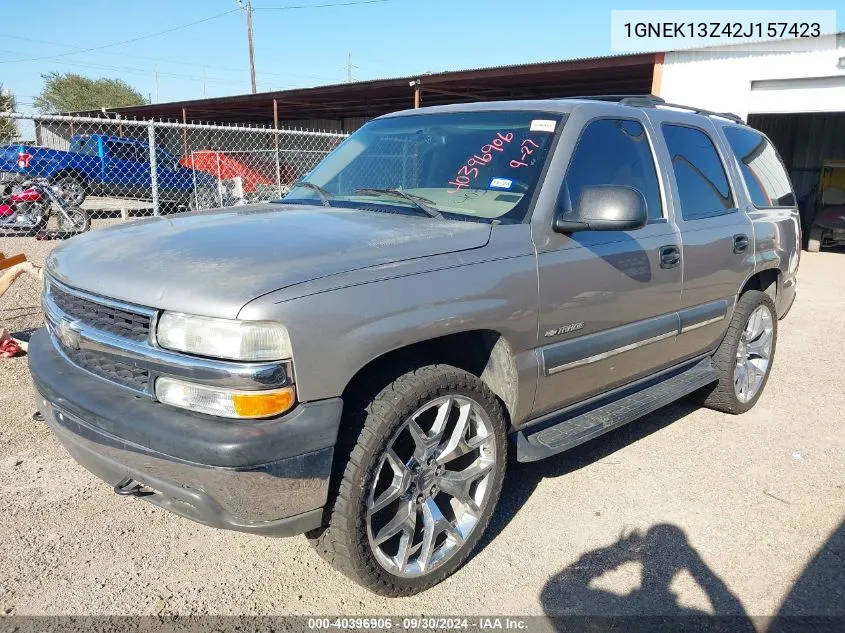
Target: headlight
<point x="223" y="338"/>
<point x="224" y="402"/>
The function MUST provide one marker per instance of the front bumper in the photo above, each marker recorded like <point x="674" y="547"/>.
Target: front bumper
<point x="266" y="476"/>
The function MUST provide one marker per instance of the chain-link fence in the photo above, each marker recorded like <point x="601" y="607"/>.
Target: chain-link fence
<point x="60" y="175"/>
<point x="120" y="168"/>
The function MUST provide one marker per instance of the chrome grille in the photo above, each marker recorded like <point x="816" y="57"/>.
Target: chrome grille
<point x="108" y="368"/>
<point x="131" y="325"/>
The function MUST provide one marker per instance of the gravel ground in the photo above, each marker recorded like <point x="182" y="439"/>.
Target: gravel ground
<point x="684" y="510"/>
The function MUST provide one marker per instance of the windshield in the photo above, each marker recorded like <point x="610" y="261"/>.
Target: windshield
<point x="463" y="165"/>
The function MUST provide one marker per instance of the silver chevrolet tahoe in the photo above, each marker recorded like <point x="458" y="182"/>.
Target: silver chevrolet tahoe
<point x="450" y="287"/>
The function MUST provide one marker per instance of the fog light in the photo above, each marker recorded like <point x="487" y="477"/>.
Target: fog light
<point x="224" y="402"/>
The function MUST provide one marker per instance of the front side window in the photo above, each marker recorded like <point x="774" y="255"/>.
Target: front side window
<point x="702" y="183"/>
<point x="761" y="167"/>
<point x="482" y="166"/>
<point x="612" y="152"/>
<point x="120" y="151"/>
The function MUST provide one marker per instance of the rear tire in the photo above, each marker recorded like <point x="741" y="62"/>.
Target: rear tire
<point x="73" y="190"/>
<point x="413" y="501"/>
<point x="814" y="241"/>
<point x="744" y="358"/>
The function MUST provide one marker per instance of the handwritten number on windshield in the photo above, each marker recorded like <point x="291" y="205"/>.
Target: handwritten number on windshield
<point x="526" y="149"/>
<point x="469" y="171"/>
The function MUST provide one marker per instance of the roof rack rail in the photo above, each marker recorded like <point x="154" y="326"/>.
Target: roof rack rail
<point x="652" y="101"/>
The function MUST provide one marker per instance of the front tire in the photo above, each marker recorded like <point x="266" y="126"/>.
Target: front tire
<point x="78" y="221"/>
<point x="421" y="483"/>
<point x="744" y="358"/>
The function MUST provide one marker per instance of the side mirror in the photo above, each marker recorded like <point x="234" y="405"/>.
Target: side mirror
<point x="605" y="208"/>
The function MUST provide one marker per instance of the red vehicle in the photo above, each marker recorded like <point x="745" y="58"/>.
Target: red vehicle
<point x="253" y="172"/>
<point x="30" y="208"/>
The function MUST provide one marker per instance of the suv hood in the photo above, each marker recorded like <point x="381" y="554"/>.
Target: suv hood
<point x="213" y="263"/>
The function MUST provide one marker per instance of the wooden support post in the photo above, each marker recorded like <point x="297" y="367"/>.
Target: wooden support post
<point x="657" y="76"/>
<point x="417" y="97"/>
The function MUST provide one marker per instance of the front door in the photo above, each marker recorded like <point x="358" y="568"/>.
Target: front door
<point x="608" y="300"/>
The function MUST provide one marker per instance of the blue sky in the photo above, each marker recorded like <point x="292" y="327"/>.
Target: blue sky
<point x="298" y="47"/>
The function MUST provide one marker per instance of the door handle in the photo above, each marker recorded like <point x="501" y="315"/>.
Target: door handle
<point x="670" y="256"/>
<point x="740" y="243"/>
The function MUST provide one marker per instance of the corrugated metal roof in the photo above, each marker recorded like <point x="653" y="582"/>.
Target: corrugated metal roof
<point x="628" y="73"/>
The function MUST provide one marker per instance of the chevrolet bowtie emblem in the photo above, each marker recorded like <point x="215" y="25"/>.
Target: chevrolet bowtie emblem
<point x="68" y="333"/>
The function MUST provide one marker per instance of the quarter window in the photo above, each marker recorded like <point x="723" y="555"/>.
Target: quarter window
<point x="702" y="183"/>
<point x="761" y="167"/>
<point x="613" y="152"/>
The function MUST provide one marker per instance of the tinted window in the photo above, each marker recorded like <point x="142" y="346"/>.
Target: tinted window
<point x="613" y="152"/>
<point x="702" y="183"/>
<point x="761" y="168"/>
<point x="127" y="151"/>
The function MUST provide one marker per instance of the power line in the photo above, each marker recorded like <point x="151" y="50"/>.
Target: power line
<point x="319" y="6"/>
<point x="131" y="40"/>
<point x="143" y="71"/>
<point x="157" y="59"/>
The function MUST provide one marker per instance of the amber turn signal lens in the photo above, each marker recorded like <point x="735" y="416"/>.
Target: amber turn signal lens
<point x="224" y="402"/>
<point x="262" y="405"/>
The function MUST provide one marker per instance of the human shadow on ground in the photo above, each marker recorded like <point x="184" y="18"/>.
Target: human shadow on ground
<point x="662" y="552"/>
<point x="572" y="602"/>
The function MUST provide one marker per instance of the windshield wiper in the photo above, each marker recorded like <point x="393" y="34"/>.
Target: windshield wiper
<point x="323" y="193"/>
<point x="423" y="204"/>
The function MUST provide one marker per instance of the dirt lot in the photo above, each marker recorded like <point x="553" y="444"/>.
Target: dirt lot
<point x="685" y="509"/>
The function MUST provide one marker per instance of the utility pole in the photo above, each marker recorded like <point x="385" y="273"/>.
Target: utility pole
<point x="156" y="76"/>
<point x="349" y="66"/>
<point x="248" y="9"/>
<point x="203" y="82"/>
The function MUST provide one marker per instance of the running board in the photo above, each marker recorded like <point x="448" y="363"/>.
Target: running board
<point x="568" y="429"/>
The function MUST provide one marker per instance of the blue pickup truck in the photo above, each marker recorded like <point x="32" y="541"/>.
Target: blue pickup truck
<point x="109" y="165"/>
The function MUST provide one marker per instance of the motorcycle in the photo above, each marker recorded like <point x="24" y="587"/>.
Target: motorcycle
<point x="29" y="209"/>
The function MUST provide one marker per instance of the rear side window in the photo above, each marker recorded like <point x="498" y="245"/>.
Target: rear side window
<point x="613" y="152"/>
<point x="702" y="183"/>
<point x="761" y="167"/>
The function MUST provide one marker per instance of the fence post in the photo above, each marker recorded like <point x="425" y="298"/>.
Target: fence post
<point x="278" y="159"/>
<point x="151" y="131"/>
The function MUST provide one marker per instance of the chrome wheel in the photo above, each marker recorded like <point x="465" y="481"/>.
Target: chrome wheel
<point x="76" y="221"/>
<point x="72" y="190"/>
<point x="431" y="486"/>
<point x="753" y="354"/>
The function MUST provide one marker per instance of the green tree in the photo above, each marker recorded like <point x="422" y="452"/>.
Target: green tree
<point x="70" y="92"/>
<point x="8" y="129"/>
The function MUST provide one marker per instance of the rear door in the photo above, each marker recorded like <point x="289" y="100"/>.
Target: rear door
<point x="717" y="236"/>
<point x="609" y="300"/>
